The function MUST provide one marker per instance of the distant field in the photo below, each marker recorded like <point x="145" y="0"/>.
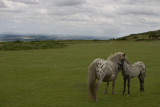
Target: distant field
<point x="28" y="45"/>
<point x="58" y="77"/>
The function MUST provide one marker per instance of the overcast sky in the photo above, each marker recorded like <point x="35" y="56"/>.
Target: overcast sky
<point x="79" y="17"/>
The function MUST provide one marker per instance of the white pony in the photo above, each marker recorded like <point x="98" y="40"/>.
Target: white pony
<point x="129" y="71"/>
<point x="103" y="70"/>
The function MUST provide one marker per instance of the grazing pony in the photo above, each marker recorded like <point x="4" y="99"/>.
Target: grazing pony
<point x="103" y="70"/>
<point x="129" y="71"/>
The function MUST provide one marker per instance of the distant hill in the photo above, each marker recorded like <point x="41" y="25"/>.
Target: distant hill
<point x="151" y="35"/>
<point x="18" y="37"/>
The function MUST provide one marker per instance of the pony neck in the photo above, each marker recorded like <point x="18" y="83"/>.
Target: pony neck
<point x="115" y="61"/>
<point x="127" y="62"/>
<point x="125" y="65"/>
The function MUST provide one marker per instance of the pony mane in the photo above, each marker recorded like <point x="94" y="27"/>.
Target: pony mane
<point x="114" y="55"/>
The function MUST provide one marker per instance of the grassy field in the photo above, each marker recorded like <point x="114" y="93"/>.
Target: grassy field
<point x="58" y="77"/>
<point x="28" y="45"/>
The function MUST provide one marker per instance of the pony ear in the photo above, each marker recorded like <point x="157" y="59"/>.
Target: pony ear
<point x="124" y="54"/>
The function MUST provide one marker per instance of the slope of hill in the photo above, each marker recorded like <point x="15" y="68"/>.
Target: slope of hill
<point x="151" y="35"/>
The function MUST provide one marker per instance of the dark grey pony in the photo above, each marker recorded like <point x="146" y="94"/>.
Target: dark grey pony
<point x="129" y="71"/>
<point x="103" y="70"/>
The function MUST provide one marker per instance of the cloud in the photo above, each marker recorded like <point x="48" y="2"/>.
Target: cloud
<point x="62" y="3"/>
<point x="12" y="7"/>
<point x="87" y="17"/>
<point x="26" y="1"/>
<point x="138" y="10"/>
<point x="11" y="11"/>
<point x="2" y="5"/>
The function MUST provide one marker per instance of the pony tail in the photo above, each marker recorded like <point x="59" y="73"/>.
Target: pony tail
<point x="92" y="82"/>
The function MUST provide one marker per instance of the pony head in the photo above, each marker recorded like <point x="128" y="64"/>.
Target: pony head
<point x="119" y="65"/>
<point x="119" y="56"/>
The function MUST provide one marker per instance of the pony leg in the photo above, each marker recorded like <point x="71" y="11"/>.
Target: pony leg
<point x="105" y="91"/>
<point x="124" y="89"/>
<point x="140" y="80"/>
<point x="142" y="90"/>
<point x="128" y="86"/>
<point x="97" y="86"/>
<point x="113" y="84"/>
<point x="99" y="82"/>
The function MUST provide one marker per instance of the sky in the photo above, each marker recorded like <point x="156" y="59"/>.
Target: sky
<point x="113" y="18"/>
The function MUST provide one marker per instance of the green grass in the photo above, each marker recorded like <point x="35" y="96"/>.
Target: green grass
<point x="28" y="45"/>
<point x="58" y="77"/>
